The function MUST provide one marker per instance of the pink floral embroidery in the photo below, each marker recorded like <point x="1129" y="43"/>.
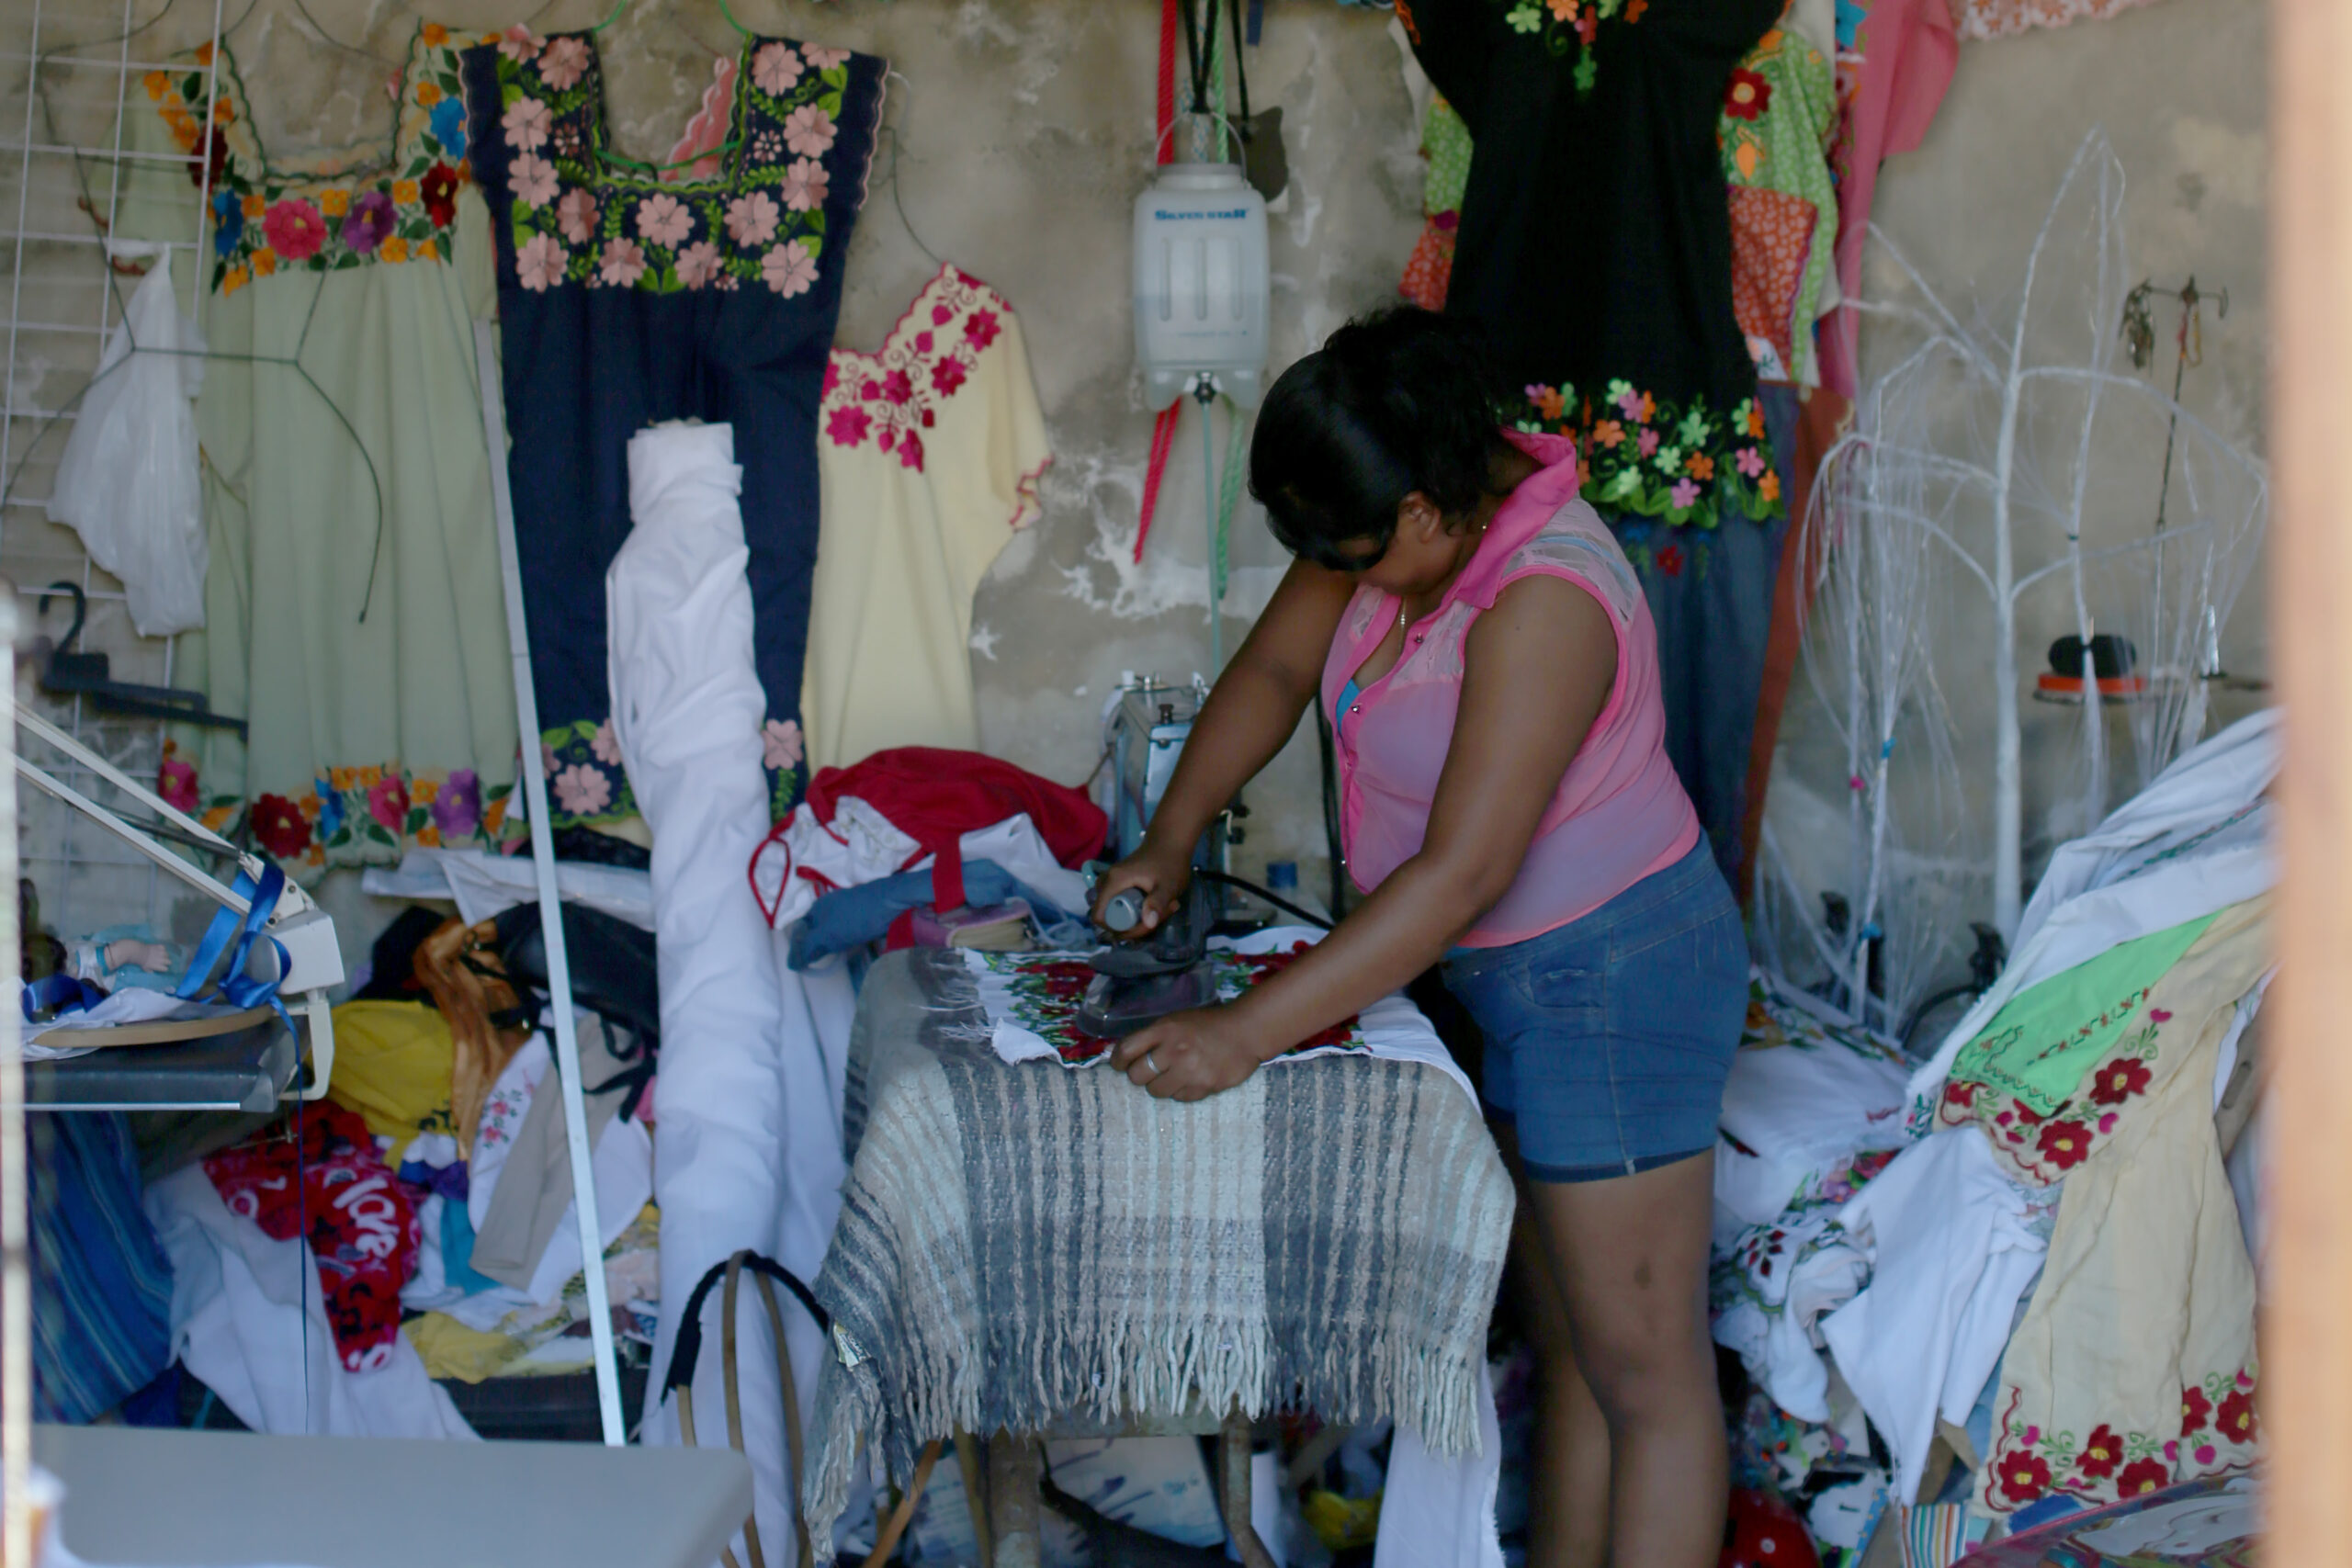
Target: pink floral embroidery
<point x="808" y="131"/>
<point x="525" y="124"/>
<point x="546" y="759"/>
<point x="789" y="269"/>
<point x="576" y="215"/>
<point x="534" y="181"/>
<point x="1648" y="443"/>
<point x="826" y="59"/>
<point x="564" y="62"/>
<point x="582" y="790"/>
<point x="664" y="221"/>
<point x="780" y="743"/>
<point x="777" y="68"/>
<point x="542" y="262"/>
<point x="519" y="44"/>
<point x="622" y="263"/>
<point x="1684" y="494"/>
<point x="606" y="746"/>
<point x="1751" y="461"/>
<point x="891" y="397"/>
<point x="698" y="264"/>
<point x="804" y="186"/>
<point x="751" y="220"/>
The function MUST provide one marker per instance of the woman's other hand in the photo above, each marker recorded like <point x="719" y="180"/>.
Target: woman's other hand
<point x="1190" y="1055"/>
<point x="1161" y="878"/>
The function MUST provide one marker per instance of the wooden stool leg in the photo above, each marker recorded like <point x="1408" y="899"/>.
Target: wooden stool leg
<point x="1233" y="1477"/>
<point x="975" y="1493"/>
<point x="1013" y="1464"/>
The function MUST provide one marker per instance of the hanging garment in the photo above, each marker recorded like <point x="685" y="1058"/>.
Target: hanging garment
<point x="930" y="452"/>
<point x="751" y="1133"/>
<point x="102" y="1289"/>
<point x="1595" y="239"/>
<point x="320" y="1178"/>
<point x="1445" y="144"/>
<point x="1778" y="114"/>
<point x="1895" y="59"/>
<point x="353" y="610"/>
<point x="624" y="300"/>
<point x="248" y="1321"/>
<point x="2135" y="1367"/>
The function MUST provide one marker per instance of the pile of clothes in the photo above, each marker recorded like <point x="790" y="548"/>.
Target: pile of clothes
<point x="1920" y="1266"/>
<point x="418" y="1223"/>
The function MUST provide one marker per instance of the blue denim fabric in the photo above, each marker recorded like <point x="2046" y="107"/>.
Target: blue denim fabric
<point x="851" y="917"/>
<point x="1711" y="594"/>
<point x="1608" y="1039"/>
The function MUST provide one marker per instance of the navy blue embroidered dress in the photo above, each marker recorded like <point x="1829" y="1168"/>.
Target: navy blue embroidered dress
<point x="625" y="299"/>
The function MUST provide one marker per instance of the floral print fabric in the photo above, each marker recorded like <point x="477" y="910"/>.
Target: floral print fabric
<point x="1038" y="996"/>
<point x="1687" y="464"/>
<point x="2135" y="1367"/>
<point x="1445" y="144"/>
<point x="577" y="219"/>
<point x="350" y="815"/>
<point x="1779" y="115"/>
<point x="267" y="221"/>
<point x="647" y="299"/>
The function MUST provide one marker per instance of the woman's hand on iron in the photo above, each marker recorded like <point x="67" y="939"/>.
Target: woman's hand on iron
<point x="1160" y="879"/>
<point x="1191" y="1055"/>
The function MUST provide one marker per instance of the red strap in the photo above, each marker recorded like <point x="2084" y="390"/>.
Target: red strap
<point x="1163" y="429"/>
<point x="1163" y="440"/>
<point x="1165" y="125"/>
<point x="947" y="878"/>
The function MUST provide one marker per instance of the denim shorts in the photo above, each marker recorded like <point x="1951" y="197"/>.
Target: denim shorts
<point x="1609" y="1039"/>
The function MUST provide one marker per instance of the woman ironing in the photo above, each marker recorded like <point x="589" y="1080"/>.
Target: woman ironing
<point x="1491" y="669"/>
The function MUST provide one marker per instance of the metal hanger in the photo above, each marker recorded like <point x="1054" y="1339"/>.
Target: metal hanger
<point x="723" y="150"/>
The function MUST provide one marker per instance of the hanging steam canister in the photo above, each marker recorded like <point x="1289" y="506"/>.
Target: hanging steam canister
<point x="1201" y="283"/>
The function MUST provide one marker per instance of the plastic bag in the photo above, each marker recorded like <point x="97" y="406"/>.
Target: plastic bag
<point x="128" y="483"/>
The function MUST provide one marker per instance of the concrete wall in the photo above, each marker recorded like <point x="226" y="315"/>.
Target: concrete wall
<point x="2179" y="87"/>
<point x="1021" y="132"/>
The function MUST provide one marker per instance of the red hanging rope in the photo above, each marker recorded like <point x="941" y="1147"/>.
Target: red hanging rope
<point x="1163" y="429"/>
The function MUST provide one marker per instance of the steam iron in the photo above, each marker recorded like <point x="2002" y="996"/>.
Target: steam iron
<point x="1139" y="982"/>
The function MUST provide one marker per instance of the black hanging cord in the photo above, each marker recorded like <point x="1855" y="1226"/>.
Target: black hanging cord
<point x="1227" y="879"/>
<point x="1332" y="841"/>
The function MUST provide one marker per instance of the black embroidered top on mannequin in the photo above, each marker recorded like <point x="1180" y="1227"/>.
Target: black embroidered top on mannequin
<point x="1595" y="235"/>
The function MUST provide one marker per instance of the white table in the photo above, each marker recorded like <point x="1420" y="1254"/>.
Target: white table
<point x="140" y="1498"/>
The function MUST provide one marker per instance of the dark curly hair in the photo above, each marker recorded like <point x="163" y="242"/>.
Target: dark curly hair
<point x="1396" y="402"/>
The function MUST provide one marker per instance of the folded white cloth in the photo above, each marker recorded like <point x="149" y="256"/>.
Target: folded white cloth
<point x="1953" y="1247"/>
<point x="1440" y="1513"/>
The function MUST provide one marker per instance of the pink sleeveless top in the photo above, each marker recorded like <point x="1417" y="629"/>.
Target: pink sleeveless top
<point x="1620" y="813"/>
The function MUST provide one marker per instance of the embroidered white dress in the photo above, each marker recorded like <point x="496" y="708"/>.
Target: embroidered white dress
<point x="928" y="454"/>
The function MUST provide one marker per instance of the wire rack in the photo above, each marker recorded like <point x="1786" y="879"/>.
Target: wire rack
<point x="69" y="67"/>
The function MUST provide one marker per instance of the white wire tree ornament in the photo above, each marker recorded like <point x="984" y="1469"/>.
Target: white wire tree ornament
<point x="2002" y="475"/>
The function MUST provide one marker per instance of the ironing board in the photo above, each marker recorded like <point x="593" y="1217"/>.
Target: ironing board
<point x="1031" y="1248"/>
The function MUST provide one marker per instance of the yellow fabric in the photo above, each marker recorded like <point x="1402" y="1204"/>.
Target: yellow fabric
<point x="452" y="1350"/>
<point x="392" y="1065"/>
<point x="902" y="546"/>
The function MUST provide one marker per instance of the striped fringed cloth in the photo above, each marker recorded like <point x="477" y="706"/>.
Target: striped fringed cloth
<point x="1022" y="1244"/>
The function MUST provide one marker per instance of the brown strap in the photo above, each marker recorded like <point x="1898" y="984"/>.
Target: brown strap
<point x="901" y="1515"/>
<point x="686" y="1430"/>
<point x="791" y="1418"/>
<point x="733" y="1387"/>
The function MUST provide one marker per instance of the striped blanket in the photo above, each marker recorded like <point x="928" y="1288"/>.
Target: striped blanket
<point x="1019" y="1245"/>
